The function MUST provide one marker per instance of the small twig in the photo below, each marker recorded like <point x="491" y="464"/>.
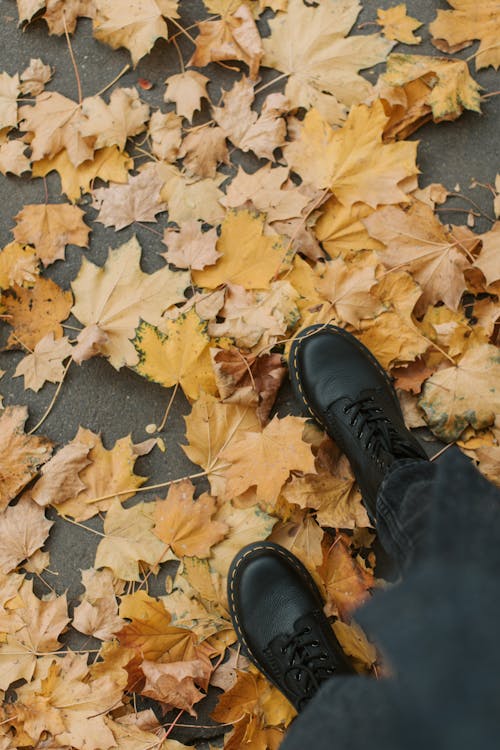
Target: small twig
<point x="270" y="83"/>
<point x="150" y="229"/>
<point x="163" y="422"/>
<point x="183" y="31"/>
<point x="82" y="526"/>
<point x="73" y="61"/>
<point x="49" y="408"/>
<point x="440" y="452"/>
<point x="117" y="78"/>
<point x="172" y="725"/>
<point x="179" y="55"/>
<point x="473" y="203"/>
<point x="16" y="337"/>
<point x="481" y="51"/>
<point x="45" y="189"/>
<point x="72" y="328"/>
<point x="133" y="490"/>
<point x="490" y="94"/>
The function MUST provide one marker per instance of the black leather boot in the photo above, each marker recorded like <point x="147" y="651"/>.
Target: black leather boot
<point x="346" y="390"/>
<point x="277" y="613"/>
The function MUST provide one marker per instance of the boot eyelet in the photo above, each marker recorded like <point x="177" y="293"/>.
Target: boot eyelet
<point x="315" y="644"/>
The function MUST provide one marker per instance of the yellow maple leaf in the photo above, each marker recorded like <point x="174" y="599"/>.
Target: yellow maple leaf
<point x="108" y="472"/>
<point x="449" y="83"/>
<point x="265" y="459"/>
<point x="355" y="644"/>
<point x="136" y="26"/>
<point x="322" y="66"/>
<point x="150" y="632"/>
<point x="302" y="535"/>
<point x="114" y="297"/>
<point x="35" y="312"/>
<point x="397" y="25"/>
<point x="178" y="356"/>
<point x="352" y="161"/>
<point x="109" y="164"/>
<point x="128" y="539"/>
<point x="489" y="259"/>
<point x="467" y="393"/>
<point x="18" y="266"/>
<point x="453" y="30"/>
<point x="249" y="258"/>
<point x="186" y="524"/>
<point x="347" y="582"/>
<point x="340" y="229"/>
<point x="49" y="228"/>
<point x="20" y="455"/>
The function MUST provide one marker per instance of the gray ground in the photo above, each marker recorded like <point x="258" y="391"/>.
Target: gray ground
<point x="118" y="403"/>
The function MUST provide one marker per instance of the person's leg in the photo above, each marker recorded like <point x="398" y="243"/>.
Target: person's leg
<point x="437" y="629"/>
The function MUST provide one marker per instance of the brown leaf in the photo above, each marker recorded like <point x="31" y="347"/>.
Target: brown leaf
<point x="165" y="131"/>
<point x="186" y="90"/>
<point x="55" y="122"/>
<point x="191" y="247"/>
<point x="203" y="150"/>
<point x="489" y="258"/>
<point x="63" y="14"/>
<point x="347" y="583"/>
<point x="20" y="455"/>
<point x="139" y="200"/>
<point x="186" y="524"/>
<point x="233" y="37"/>
<point x="35" y="76"/>
<point x="266" y="459"/>
<point x="49" y="228"/>
<point x="60" y="476"/>
<point x="248" y="130"/>
<point x="33" y="313"/>
<point x="411" y="377"/>
<point x="347" y="287"/>
<point x="175" y="683"/>
<point x="97" y="614"/>
<point x="250" y="381"/>
<point x="111" y="124"/>
<point x="45" y="363"/>
<point x="23" y="530"/>
<point x="18" y="266"/>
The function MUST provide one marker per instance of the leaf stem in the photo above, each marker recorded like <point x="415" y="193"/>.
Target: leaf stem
<point x="133" y="490"/>
<point x="73" y="61"/>
<point x="163" y="422"/>
<point x="54" y="397"/>
<point x="122" y="72"/>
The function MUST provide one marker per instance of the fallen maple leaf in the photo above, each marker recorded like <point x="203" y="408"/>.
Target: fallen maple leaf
<point x="249" y="381"/>
<point x="302" y="535"/>
<point x="178" y="356"/>
<point x="489" y="258"/>
<point x="233" y="37"/>
<point x="128" y="540"/>
<point x="340" y="229"/>
<point x="97" y="614"/>
<point x="397" y="25"/>
<point x="269" y="190"/>
<point x="108" y="472"/>
<point x="139" y="200"/>
<point x="188" y="200"/>
<point x="256" y="317"/>
<point x="35" y="76"/>
<point x="18" y="266"/>
<point x="266" y="459"/>
<point x="174" y="683"/>
<point x="249" y="258"/>
<point x="62" y="15"/>
<point x="60" y="475"/>
<point x="245" y="525"/>
<point x="116" y="296"/>
<point x="453" y="30"/>
<point x="417" y="240"/>
<point x="55" y="122"/>
<point x="20" y="455"/>
<point x="165" y="131"/>
<point x="451" y="88"/>
<point x="467" y="393"/>
<point x="352" y="161"/>
<point x="10" y="90"/>
<point x="186" y="90"/>
<point x="307" y="44"/>
<point x="13" y="158"/>
<point x="23" y="530"/>
<point x="35" y="312"/>
<point x="191" y="247"/>
<point x="109" y="164"/>
<point x="347" y="582"/>
<point x="49" y="228"/>
<point x="347" y="286"/>
<point x="135" y="27"/>
<point x="355" y="644"/>
<point x="111" y="124"/>
<point x="203" y="150"/>
<point x="210" y="428"/>
<point x="186" y="524"/>
<point x="45" y="363"/>
<point x="248" y="130"/>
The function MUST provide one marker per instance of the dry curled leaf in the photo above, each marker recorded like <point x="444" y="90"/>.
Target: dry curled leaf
<point x="35" y="76"/>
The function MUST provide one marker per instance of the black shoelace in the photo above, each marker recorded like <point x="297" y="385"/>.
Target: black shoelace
<point x="377" y="430"/>
<point x="307" y="665"/>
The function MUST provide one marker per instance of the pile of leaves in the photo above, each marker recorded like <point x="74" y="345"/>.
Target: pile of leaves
<point x="331" y="226"/>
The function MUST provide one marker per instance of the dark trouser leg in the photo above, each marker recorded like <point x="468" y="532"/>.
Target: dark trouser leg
<point x="438" y="629"/>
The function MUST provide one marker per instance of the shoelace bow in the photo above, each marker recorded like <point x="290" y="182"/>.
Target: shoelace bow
<point x="306" y="664"/>
<point x="377" y="429"/>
